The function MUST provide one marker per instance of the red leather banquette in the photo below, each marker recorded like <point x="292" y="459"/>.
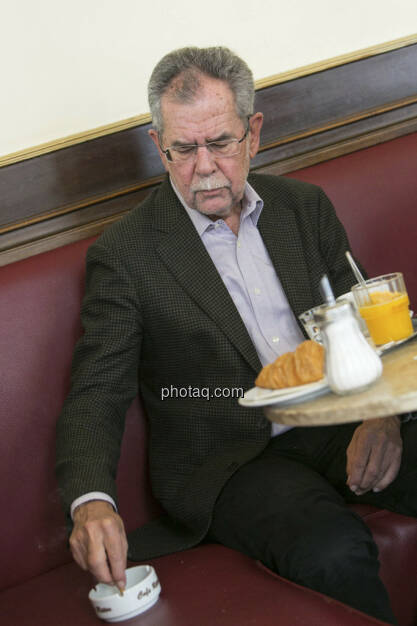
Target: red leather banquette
<point x="375" y="194"/>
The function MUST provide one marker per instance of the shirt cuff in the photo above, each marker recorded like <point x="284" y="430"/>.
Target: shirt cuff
<point x="92" y="495"/>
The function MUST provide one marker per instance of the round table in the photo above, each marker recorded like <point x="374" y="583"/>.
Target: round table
<point x="393" y="393"/>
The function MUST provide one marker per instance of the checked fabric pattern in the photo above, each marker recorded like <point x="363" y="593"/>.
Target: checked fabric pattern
<point x="156" y="313"/>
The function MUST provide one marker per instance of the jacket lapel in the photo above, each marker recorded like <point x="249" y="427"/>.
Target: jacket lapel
<point x="186" y="257"/>
<point x="280" y="233"/>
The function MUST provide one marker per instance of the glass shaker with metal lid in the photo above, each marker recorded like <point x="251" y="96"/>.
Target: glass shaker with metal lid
<point x="351" y="364"/>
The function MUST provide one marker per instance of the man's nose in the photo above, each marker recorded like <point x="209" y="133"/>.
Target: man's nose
<point x="205" y="163"/>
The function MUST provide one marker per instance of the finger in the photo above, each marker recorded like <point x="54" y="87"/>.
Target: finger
<point x="97" y="561"/>
<point x="375" y="468"/>
<point x="79" y="556"/>
<point x="358" y="455"/>
<point x="390" y="473"/>
<point x="116" y="549"/>
<point x="78" y="550"/>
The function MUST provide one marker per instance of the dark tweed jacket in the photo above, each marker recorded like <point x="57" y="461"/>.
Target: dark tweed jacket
<point x="156" y="313"/>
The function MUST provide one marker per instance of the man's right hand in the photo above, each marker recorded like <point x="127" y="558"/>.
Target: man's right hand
<point x="98" y="542"/>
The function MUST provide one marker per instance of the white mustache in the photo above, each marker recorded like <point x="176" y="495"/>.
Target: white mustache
<point x="209" y="184"/>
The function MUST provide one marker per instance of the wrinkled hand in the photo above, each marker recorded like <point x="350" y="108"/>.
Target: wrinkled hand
<point x="98" y="542"/>
<point x="374" y="455"/>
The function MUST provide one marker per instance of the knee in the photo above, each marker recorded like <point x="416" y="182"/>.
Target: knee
<point x="328" y="554"/>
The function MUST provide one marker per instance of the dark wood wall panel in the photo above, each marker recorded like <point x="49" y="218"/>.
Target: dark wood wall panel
<point x="317" y="101"/>
<point x="80" y="219"/>
<point x="369" y="131"/>
<point x="61" y="181"/>
<point x="74" y="192"/>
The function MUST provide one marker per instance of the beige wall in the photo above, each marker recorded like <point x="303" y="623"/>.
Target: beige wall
<point x="70" y="67"/>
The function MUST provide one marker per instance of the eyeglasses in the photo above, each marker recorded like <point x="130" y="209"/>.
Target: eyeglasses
<point x="223" y="148"/>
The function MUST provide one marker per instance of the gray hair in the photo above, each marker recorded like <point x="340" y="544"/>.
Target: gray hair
<point x="218" y="62"/>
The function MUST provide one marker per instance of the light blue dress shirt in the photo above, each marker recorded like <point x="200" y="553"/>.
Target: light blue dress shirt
<point x="245" y="267"/>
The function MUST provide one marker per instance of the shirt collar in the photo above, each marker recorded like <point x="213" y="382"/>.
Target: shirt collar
<point x="252" y="205"/>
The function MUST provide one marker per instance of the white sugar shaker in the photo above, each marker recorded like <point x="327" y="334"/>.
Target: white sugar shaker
<point x="351" y="364"/>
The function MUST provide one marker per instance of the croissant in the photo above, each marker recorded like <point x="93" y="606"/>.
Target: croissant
<point x="305" y="365"/>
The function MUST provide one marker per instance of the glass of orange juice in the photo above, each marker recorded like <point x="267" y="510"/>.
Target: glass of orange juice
<point x="383" y="304"/>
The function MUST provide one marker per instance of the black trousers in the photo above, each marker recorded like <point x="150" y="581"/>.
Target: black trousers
<point x="287" y="508"/>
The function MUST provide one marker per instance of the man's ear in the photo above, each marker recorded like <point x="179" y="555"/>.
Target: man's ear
<point x="255" y="124"/>
<point x="155" y="138"/>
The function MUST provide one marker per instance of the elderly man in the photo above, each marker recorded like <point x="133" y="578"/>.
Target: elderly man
<point x="197" y="288"/>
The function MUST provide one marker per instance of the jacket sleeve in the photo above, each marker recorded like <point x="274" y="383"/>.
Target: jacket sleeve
<point x="104" y="379"/>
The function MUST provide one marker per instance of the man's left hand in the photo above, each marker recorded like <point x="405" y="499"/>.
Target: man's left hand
<point x="374" y="455"/>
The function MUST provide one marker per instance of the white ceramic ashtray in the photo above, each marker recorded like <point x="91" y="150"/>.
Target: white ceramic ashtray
<point x="142" y="591"/>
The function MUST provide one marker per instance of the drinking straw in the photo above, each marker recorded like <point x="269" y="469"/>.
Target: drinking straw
<point x="355" y="269"/>
<point x="358" y="275"/>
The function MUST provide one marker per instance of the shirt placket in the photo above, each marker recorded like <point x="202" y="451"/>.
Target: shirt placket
<point x="249" y="266"/>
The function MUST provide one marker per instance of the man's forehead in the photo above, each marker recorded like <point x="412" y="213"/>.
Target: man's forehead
<point x="212" y="110"/>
